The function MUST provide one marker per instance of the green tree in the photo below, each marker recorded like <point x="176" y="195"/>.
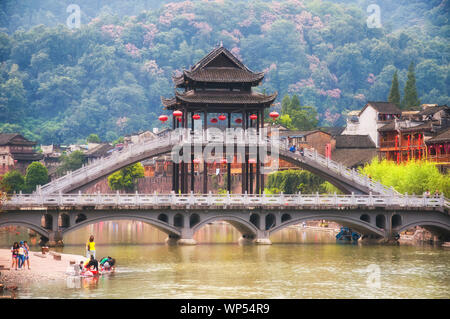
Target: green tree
<point x="410" y="99"/>
<point x="295" y="116"/>
<point x="37" y="174"/>
<point x="394" y="93"/>
<point x="285" y="104"/>
<point x="12" y="181"/>
<point x="71" y="162"/>
<point x="126" y="178"/>
<point x="304" y="118"/>
<point x="93" y="138"/>
<point x="294" y="181"/>
<point x="414" y="177"/>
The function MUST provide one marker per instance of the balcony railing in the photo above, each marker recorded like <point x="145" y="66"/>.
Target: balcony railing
<point x="389" y="144"/>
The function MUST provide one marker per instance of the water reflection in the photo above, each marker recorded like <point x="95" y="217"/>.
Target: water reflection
<point x="316" y="268"/>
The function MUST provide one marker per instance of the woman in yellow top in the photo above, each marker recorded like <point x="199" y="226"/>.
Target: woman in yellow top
<point x="90" y="246"/>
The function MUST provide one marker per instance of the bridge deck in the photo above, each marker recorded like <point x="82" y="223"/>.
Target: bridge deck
<point x="346" y="179"/>
<point x="214" y="201"/>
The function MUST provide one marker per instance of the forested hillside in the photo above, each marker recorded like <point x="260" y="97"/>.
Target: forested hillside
<point x="58" y="85"/>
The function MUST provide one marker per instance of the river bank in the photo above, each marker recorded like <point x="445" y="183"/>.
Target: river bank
<point x="43" y="267"/>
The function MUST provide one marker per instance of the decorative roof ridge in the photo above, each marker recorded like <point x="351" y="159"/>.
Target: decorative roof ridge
<point x="213" y="54"/>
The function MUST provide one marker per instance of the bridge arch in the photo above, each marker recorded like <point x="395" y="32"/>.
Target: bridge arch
<point x="437" y="226"/>
<point x="380" y="221"/>
<point x="396" y="220"/>
<point x="255" y="219"/>
<point x="245" y="227"/>
<point x="354" y="223"/>
<point x="38" y="229"/>
<point x="64" y="220"/>
<point x="158" y="224"/>
<point x="285" y="217"/>
<point x="194" y="219"/>
<point x="75" y="181"/>
<point x="47" y="221"/>
<point x="346" y="186"/>
<point x="163" y="217"/>
<point x="365" y="218"/>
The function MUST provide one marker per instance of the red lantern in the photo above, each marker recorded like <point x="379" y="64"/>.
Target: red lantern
<point x="196" y="117"/>
<point x="177" y="113"/>
<point x="238" y="121"/>
<point x="274" y="115"/>
<point x="213" y="120"/>
<point x="253" y="117"/>
<point x="222" y="117"/>
<point x="163" y="118"/>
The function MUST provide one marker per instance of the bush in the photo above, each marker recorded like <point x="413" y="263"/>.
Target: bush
<point x="414" y="177"/>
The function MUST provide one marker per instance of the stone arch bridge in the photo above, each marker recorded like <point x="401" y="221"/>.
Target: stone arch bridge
<point x="348" y="181"/>
<point x="256" y="217"/>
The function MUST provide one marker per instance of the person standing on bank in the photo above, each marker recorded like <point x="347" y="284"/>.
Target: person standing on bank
<point x="27" y="250"/>
<point x="90" y="246"/>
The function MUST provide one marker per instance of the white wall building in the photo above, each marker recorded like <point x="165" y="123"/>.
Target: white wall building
<point x="373" y="116"/>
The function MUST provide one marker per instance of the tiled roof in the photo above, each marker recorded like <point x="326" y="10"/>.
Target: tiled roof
<point x="421" y="126"/>
<point x="220" y="97"/>
<point x="297" y="133"/>
<point x="221" y="74"/>
<point x="354" y="141"/>
<point x="352" y="157"/>
<point x="433" y="110"/>
<point x="388" y="127"/>
<point x="6" y="138"/>
<point x="383" y="107"/>
<point x="99" y="150"/>
<point x="220" y="65"/>
<point x="333" y="131"/>
<point x="442" y="137"/>
<point x="27" y="156"/>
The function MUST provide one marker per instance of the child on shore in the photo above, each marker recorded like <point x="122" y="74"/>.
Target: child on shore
<point x="15" y="255"/>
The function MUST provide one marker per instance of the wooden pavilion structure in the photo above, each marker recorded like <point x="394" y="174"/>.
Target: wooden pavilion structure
<point x="218" y="84"/>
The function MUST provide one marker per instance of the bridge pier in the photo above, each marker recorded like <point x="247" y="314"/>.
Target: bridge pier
<point x="55" y="239"/>
<point x="263" y="241"/>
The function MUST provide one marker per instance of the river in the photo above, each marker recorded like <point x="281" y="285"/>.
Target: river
<point x="301" y="263"/>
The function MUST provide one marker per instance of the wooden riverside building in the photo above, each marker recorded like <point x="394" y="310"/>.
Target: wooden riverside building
<point x="218" y="91"/>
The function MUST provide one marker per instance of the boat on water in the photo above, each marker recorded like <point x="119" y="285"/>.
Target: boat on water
<point x="92" y="272"/>
<point x="346" y="234"/>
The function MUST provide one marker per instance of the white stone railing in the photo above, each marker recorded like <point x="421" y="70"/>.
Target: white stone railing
<point x="352" y="174"/>
<point x="212" y="201"/>
<point x="95" y="166"/>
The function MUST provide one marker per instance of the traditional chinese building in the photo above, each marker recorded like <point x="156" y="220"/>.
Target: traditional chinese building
<point x="16" y="152"/>
<point x="218" y="91"/>
<point x="438" y="149"/>
<point x="404" y="140"/>
<point x="373" y="116"/>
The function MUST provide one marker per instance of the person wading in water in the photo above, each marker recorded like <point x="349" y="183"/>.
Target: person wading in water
<point x="90" y="246"/>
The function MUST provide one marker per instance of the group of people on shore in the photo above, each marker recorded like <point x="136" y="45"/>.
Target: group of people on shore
<point x="19" y="253"/>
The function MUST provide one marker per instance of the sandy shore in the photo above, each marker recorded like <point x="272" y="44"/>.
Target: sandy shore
<point x="43" y="268"/>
